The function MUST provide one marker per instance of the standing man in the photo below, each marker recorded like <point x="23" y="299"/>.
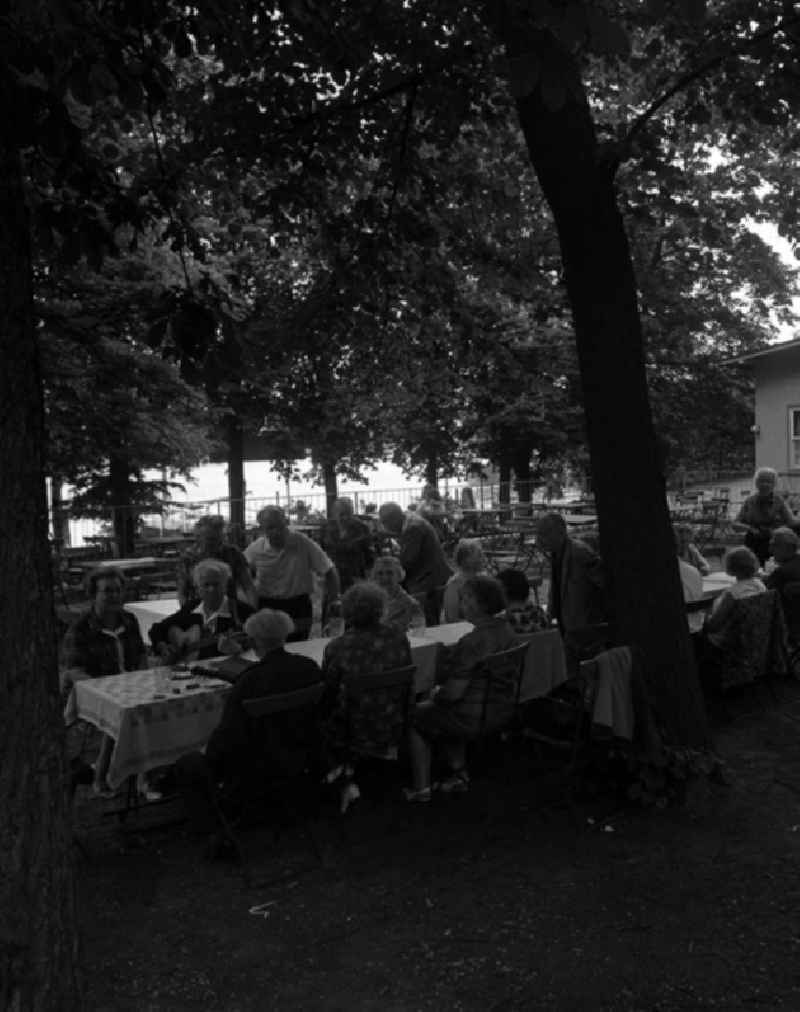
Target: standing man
<point x="210" y="544"/>
<point x="576" y="577"/>
<point x="284" y="563"/>
<point x="421" y="556"/>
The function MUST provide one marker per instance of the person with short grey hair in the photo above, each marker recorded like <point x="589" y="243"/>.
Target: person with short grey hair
<point x="205" y="630"/>
<point x="284" y="563"/>
<point x="286" y="746"/>
<point x="403" y="611"/>
<point x="761" y="513"/>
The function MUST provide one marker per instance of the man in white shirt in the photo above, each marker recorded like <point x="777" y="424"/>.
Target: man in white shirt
<point x="283" y="563"/>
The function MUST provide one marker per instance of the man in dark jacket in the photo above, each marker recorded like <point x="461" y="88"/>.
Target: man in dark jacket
<point x="236" y="759"/>
<point x="421" y="556"/>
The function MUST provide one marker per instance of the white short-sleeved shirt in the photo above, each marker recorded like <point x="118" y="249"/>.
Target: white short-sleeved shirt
<point x="287" y="571"/>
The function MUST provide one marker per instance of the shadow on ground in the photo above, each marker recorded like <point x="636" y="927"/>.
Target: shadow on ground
<point x="504" y="899"/>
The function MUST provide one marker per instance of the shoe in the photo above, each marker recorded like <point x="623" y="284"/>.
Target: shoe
<point x="102" y="790"/>
<point x="456" y="783"/>
<point x="350" y="793"/>
<point x="422" y="796"/>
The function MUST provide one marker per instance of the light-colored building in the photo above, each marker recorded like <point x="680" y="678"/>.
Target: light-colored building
<point x="776" y="372"/>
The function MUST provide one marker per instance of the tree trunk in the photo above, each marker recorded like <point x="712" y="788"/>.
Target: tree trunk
<point x="504" y="497"/>
<point x="38" y="921"/>
<point x="60" y="518"/>
<point x="331" y="485"/>
<point x="522" y="474"/>
<point x="635" y="531"/>
<point x="235" y="439"/>
<point x="432" y="471"/>
<point x="124" y="511"/>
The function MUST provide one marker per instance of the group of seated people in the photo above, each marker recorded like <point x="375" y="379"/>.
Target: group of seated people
<point x="378" y="616"/>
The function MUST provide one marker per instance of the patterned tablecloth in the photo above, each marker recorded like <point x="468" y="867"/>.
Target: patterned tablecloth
<point x="153" y="719"/>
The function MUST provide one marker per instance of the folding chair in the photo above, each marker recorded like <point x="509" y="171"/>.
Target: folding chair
<point x="376" y="719"/>
<point x="503" y="673"/>
<point x="268" y="784"/>
<point x="790" y="602"/>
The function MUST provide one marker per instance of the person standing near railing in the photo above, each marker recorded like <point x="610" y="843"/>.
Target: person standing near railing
<point x="210" y="543"/>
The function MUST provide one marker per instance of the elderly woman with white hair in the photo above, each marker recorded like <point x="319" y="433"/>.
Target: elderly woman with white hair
<point x="762" y="513"/>
<point x="402" y="611"/>
<point x="236" y="762"/>
<point x="205" y="630"/>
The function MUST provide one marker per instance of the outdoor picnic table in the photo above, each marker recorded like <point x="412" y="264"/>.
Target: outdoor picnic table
<point x="156" y="715"/>
<point x="153" y="718"/>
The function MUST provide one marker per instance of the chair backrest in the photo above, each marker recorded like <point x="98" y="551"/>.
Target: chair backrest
<point x="377" y="711"/>
<point x="503" y="677"/>
<point x="394" y="678"/>
<point x="754" y="640"/>
<point x="265" y="706"/>
<point x="790" y="601"/>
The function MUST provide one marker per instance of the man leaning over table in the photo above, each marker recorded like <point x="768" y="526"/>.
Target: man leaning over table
<point x="235" y="764"/>
<point x="421" y="555"/>
<point x="577" y="584"/>
<point x="284" y="563"/>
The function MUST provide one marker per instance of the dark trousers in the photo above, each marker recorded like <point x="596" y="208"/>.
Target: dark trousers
<point x="431" y="601"/>
<point x="297" y="608"/>
<point x="198" y="787"/>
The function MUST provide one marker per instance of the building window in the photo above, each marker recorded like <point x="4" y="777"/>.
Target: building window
<point x="794" y="438"/>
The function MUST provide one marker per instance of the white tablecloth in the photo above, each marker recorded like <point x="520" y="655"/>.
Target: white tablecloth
<point x="150" y="731"/>
<point x="149" y="612"/>
<point x="717" y="582"/>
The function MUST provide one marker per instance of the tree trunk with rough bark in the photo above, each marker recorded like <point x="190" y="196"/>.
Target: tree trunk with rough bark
<point x="124" y="511"/>
<point x="38" y="921"/>
<point x="635" y="530"/>
<point x="504" y="497"/>
<point x="235" y="439"/>
<point x="331" y="485"/>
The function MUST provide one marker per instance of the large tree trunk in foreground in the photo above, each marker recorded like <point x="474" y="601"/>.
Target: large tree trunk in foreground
<point x="635" y="531"/>
<point x="235" y="440"/>
<point x="38" y="924"/>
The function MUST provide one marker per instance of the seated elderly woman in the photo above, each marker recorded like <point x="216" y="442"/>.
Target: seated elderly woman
<point x="469" y="561"/>
<point x="741" y="563"/>
<point x="105" y="640"/>
<point x="403" y="612"/>
<point x="234" y="759"/>
<point x="205" y="630"/>
<point x="367" y="647"/>
<point x="452" y="715"/>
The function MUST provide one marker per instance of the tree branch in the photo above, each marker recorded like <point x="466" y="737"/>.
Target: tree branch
<point x="638" y="124"/>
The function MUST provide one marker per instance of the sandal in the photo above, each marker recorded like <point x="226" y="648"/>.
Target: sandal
<point x="422" y="796"/>
<point x="456" y="783"/>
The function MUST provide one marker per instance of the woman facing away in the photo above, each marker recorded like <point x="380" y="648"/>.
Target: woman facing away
<point x="452" y="715"/>
<point x="741" y="563"/>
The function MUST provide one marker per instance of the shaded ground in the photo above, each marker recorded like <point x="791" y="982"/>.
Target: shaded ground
<point x="497" y="901"/>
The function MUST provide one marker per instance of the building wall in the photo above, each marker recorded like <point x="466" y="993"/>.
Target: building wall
<point x="777" y="379"/>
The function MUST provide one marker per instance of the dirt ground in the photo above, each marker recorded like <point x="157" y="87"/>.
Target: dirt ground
<point x="500" y="900"/>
